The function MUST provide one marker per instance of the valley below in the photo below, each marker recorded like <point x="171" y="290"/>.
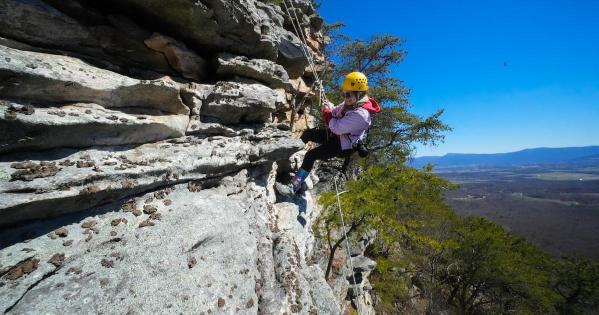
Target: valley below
<point x="554" y="206"/>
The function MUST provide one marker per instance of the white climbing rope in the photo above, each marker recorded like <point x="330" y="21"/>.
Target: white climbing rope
<point x="323" y="98"/>
<point x="351" y="265"/>
<point x="297" y="27"/>
<point x="300" y="32"/>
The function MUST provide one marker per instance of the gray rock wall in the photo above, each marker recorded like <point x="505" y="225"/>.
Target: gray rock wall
<point x="139" y="144"/>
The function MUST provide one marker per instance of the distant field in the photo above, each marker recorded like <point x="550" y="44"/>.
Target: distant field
<point x="566" y="176"/>
<point x="523" y="197"/>
<point x="551" y="207"/>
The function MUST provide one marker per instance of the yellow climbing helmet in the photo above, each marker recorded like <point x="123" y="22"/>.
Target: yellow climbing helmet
<point x="355" y="81"/>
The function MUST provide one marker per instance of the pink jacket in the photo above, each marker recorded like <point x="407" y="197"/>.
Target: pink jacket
<point x="353" y="125"/>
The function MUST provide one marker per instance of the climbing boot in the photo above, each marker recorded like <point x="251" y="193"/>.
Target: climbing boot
<point x="287" y="190"/>
<point x="295" y="185"/>
<point x="302" y="218"/>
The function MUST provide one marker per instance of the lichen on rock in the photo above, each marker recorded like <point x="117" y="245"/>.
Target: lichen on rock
<point x="139" y="154"/>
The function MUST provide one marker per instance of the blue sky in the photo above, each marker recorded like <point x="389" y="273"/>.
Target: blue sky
<point x="546" y="96"/>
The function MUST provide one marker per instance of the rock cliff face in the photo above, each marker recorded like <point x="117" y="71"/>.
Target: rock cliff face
<point x="139" y="144"/>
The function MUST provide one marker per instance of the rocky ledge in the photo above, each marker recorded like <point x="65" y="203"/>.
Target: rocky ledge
<point x="139" y="144"/>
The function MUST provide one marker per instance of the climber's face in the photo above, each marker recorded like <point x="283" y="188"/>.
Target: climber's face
<point x="349" y="97"/>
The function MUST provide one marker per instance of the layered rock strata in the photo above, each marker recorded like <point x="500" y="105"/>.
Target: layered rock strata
<point x="139" y="144"/>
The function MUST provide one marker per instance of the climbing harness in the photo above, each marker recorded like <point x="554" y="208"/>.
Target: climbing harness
<point x="351" y="266"/>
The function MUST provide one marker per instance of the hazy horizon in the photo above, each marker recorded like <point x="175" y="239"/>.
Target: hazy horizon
<point x="517" y="150"/>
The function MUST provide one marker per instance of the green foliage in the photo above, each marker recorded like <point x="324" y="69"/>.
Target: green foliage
<point x="491" y="271"/>
<point x="576" y="281"/>
<point x="468" y="265"/>
<point x="374" y="57"/>
<point x="394" y="200"/>
<point x="482" y="269"/>
<point x="394" y="132"/>
<point x="406" y="208"/>
<point x="391" y="286"/>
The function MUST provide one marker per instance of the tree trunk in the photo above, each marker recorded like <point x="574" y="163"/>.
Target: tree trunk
<point x="331" y="257"/>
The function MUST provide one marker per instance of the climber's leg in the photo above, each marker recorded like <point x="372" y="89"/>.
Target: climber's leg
<point x="323" y="153"/>
<point x="315" y="135"/>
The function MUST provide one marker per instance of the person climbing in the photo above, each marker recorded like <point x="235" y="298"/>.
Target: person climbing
<point x="348" y="122"/>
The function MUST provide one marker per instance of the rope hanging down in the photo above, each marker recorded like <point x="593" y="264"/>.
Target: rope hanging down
<point x="323" y="98"/>
<point x="297" y="27"/>
<point x="351" y="265"/>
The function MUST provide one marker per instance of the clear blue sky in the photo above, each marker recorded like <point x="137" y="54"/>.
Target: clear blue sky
<point x="546" y="96"/>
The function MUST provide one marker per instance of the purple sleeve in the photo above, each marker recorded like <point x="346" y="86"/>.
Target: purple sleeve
<point x="336" y="109"/>
<point x="352" y="123"/>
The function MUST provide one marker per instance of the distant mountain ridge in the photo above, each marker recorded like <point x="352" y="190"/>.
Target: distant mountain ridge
<point x="588" y="154"/>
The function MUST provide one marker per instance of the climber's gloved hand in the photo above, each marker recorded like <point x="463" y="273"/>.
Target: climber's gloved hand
<point x="328" y="104"/>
